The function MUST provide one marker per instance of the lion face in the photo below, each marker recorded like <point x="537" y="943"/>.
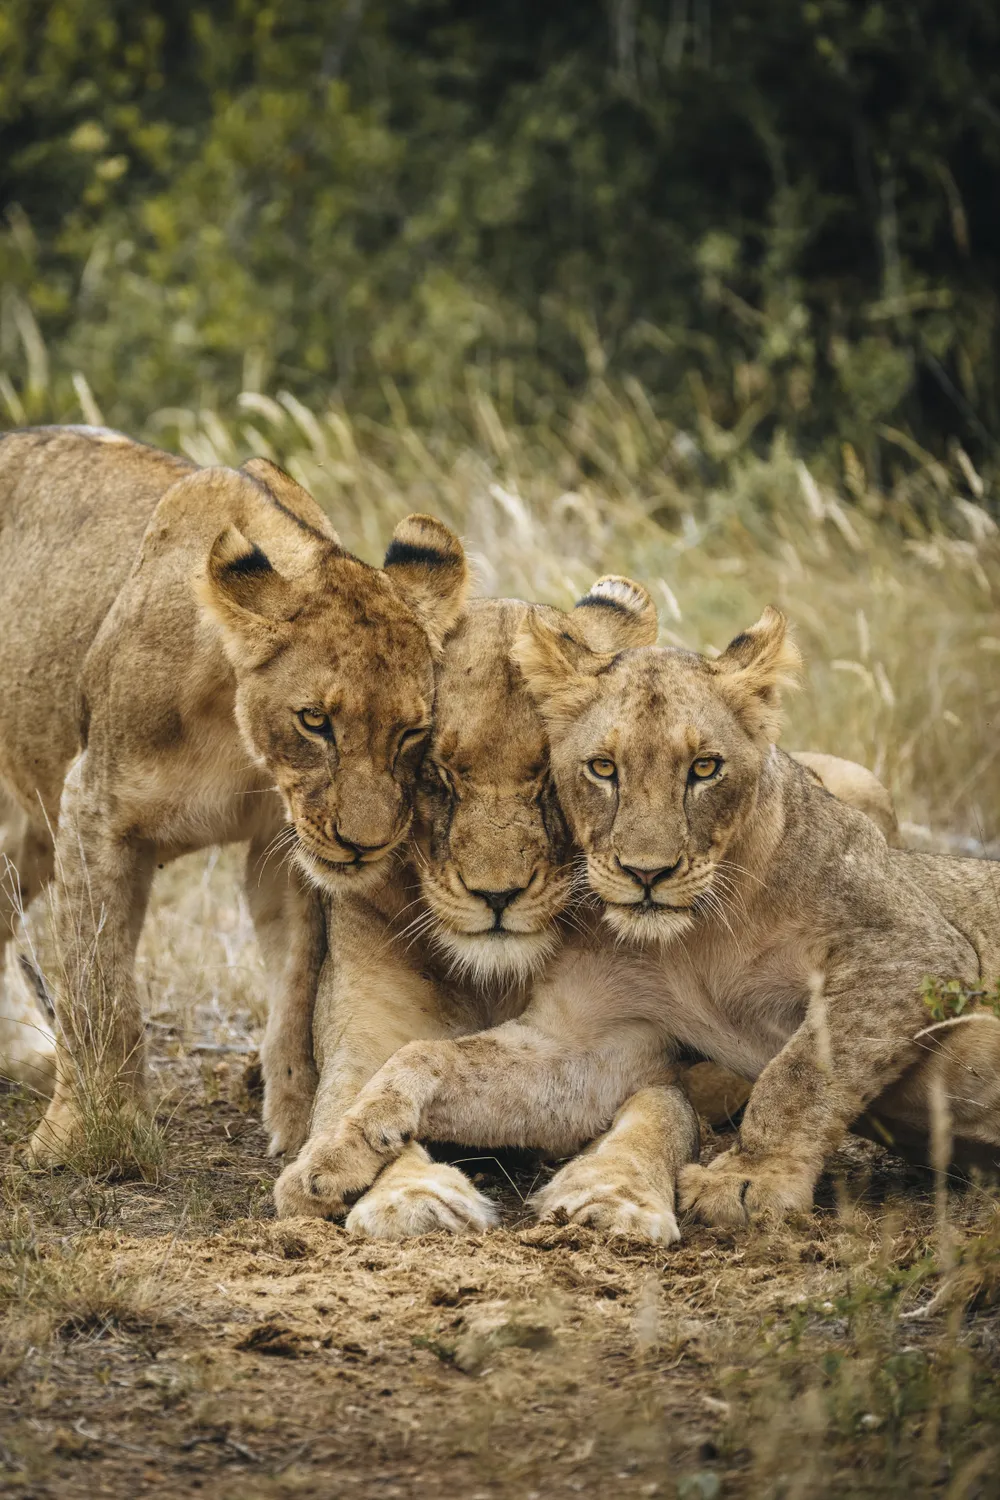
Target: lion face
<point x="334" y="664"/>
<point x="491" y="842"/>
<point x="658" y="757"/>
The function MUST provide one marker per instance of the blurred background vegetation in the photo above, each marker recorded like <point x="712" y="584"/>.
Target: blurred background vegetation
<point x="772" y="214"/>
<point x="705" y="292"/>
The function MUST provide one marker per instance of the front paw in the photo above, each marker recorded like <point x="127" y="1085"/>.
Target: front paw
<point x="735" y="1189"/>
<point x="289" y="1090"/>
<point x="327" y="1176"/>
<point x="606" y="1200"/>
<point x="416" y="1195"/>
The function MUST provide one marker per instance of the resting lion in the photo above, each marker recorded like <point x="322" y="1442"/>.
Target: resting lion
<point x="761" y="922"/>
<point x="464" y="938"/>
<point x="190" y="657"/>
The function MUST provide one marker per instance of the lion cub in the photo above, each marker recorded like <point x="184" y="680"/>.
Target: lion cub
<point x="601" y="1023"/>
<point x="190" y="657"/>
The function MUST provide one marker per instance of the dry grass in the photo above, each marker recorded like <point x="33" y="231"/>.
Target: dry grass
<point x="894" y="596"/>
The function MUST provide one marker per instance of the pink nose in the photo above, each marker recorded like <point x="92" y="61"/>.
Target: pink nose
<point x="649" y="878"/>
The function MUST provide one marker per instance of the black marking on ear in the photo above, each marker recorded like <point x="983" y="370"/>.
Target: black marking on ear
<point x="603" y="601"/>
<point x="254" y="561"/>
<point x="405" y="553"/>
<point x="739" y="642"/>
<point x="83" y="720"/>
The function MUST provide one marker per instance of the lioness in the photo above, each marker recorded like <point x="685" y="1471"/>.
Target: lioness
<point x="190" y="657"/>
<point x="491" y="872"/>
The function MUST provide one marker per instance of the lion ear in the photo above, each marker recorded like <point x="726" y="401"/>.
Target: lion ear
<point x="291" y="497"/>
<point x="247" y="596"/>
<point x="426" y="562"/>
<point x="558" y="670"/>
<point x="615" y="614"/>
<point x="754" y="668"/>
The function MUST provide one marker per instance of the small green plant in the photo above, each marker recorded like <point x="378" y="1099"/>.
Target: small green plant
<point x="948" y="999"/>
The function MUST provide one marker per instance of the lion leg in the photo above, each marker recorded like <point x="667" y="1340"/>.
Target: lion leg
<point x="103" y="881"/>
<point x="291" y="929"/>
<point x="952" y="1093"/>
<point x="624" y="1183"/>
<point x="27" y="1045"/>
<point x="367" y="1006"/>
<point x="858" y="1037"/>
<point x="516" y="1085"/>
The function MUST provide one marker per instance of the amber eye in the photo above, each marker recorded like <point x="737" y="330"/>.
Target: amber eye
<point x="603" y="768"/>
<point x="314" y="721"/>
<point x="704" y="767"/>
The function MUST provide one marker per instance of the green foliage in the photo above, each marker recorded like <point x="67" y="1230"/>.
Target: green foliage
<point x="774" y="216"/>
<point x="947" y="999"/>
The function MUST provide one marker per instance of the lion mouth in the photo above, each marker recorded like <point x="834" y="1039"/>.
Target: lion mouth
<point x="646" y="904"/>
<point x="332" y="874"/>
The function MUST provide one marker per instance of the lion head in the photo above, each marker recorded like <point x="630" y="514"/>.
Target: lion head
<point x="334" y="666"/>
<point x="658" y="757"/>
<point x="492" y="848"/>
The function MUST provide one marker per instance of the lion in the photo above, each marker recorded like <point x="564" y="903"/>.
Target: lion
<point x="467" y="933"/>
<point x="190" y="657"/>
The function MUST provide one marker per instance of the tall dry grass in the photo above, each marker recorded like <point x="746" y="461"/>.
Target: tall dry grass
<point x="893" y="593"/>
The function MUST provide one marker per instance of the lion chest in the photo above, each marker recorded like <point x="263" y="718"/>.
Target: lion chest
<point x="740" y="1012"/>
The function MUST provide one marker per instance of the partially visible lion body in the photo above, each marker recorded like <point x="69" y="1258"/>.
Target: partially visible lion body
<point x="458" y="940"/>
<point x="162" y="630"/>
<point x="855" y="785"/>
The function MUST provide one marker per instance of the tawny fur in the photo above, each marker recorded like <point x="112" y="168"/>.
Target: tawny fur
<point x="161" y="628"/>
<point x="800" y="963"/>
<point x="488" y="820"/>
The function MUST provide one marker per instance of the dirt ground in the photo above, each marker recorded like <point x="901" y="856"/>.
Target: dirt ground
<point x="169" y="1337"/>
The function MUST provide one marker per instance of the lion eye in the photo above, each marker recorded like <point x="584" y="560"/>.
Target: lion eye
<point x="436" y="771"/>
<point x="603" y="768"/>
<point x="315" y="722"/>
<point x="411" y="737"/>
<point x="705" y="766"/>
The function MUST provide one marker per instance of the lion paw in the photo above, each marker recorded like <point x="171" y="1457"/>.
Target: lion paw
<point x="289" y="1090"/>
<point x="108" y="1133"/>
<point x="328" y="1175"/>
<point x="420" y="1197"/>
<point x="734" y="1189"/>
<point x="584" y="1193"/>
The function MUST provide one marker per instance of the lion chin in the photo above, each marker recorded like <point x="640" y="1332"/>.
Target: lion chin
<point x="662" y="925"/>
<point x="483" y="957"/>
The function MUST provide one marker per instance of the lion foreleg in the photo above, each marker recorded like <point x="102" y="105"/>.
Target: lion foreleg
<point x="291" y="930"/>
<point x="103" y="879"/>
<point x="369" y="1004"/>
<point x="858" y="1037"/>
<point x="624" y="1183"/>
<point x="520" y="1084"/>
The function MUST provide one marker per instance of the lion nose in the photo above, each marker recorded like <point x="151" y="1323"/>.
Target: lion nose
<point x="498" y="901"/>
<point x="649" y="878"/>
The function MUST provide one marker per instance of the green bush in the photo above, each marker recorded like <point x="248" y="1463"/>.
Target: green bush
<point x="776" y="216"/>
